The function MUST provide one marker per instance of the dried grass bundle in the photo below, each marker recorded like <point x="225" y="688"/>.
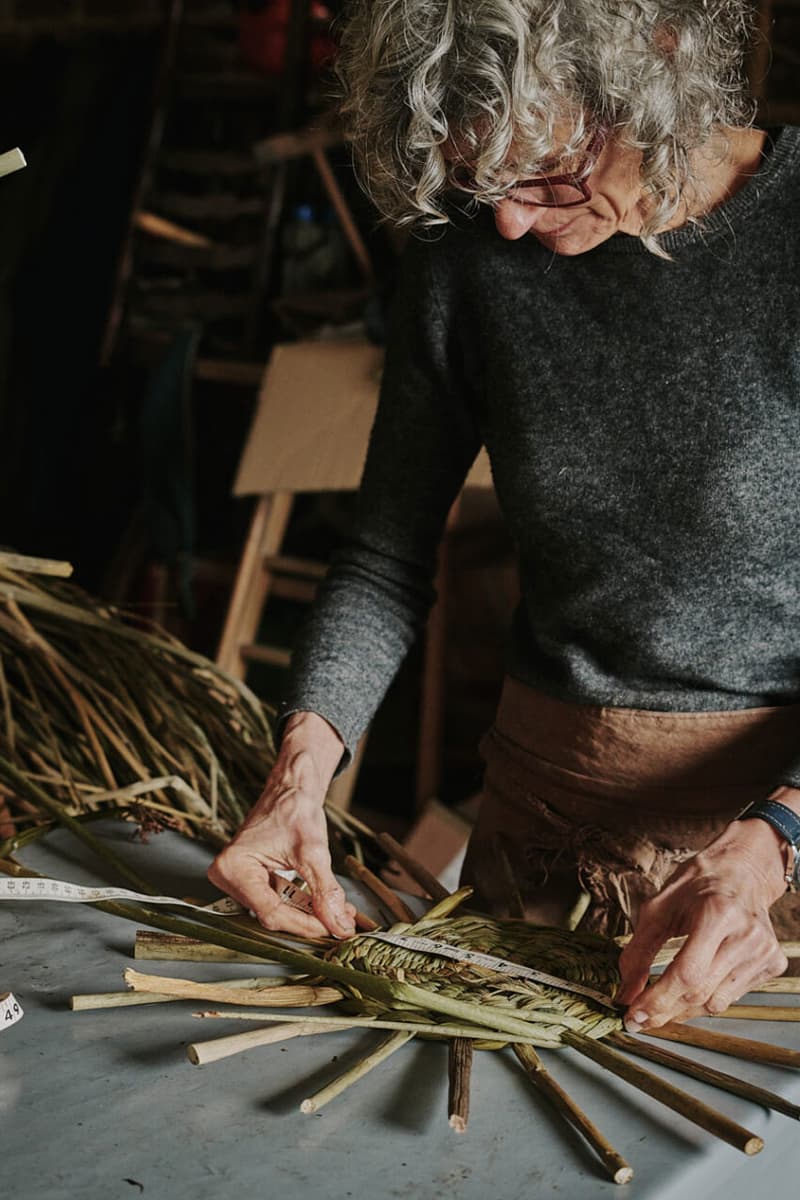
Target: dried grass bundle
<point x="109" y="713"/>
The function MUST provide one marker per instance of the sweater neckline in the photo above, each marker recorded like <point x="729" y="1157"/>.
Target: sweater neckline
<point x="784" y="145"/>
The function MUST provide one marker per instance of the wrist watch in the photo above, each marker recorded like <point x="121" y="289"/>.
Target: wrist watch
<point x="786" y="822"/>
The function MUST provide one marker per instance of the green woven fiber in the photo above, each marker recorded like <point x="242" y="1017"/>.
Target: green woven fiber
<point x="580" y="958"/>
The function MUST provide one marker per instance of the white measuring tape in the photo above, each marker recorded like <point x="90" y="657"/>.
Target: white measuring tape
<point x="10" y="1010"/>
<point x="503" y="967"/>
<point x="36" y="888"/>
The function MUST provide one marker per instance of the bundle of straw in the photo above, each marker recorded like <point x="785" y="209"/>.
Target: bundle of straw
<point x="107" y="713"/>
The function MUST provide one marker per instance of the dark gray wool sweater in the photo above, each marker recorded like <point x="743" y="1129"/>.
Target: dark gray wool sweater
<point x="642" y="418"/>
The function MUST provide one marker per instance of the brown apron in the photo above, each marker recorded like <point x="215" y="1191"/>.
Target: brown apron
<point x="587" y="811"/>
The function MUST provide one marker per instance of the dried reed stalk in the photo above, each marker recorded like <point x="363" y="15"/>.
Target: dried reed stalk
<point x="288" y="996"/>
<point x="85" y="1001"/>
<point x="117" y="716"/>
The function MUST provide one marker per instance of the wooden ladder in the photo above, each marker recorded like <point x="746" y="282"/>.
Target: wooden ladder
<point x="264" y="572"/>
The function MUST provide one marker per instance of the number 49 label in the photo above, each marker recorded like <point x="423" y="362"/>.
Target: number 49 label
<point x="10" y="1010"/>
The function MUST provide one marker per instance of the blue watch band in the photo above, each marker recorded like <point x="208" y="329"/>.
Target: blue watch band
<point x="784" y="821"/>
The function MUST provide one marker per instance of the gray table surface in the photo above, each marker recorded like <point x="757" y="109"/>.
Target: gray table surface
<point x="105" y="1105"/>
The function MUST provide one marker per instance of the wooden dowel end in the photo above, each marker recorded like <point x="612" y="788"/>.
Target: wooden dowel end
<point x="666" y="1093"/>
<point x="617" y="1167"/>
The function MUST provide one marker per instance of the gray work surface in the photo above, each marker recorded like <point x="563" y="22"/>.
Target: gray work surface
<point x="104" y="1104"/>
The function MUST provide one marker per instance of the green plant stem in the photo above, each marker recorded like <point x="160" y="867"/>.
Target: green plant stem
<point x="23" y="786"/>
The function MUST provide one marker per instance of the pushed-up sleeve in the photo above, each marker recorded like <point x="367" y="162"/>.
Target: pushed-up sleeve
<point x="379" y="588"/>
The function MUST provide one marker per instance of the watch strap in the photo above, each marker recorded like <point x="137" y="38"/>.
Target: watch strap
<point x="786" y="822"/>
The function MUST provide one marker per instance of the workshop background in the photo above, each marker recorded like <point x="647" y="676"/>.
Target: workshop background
<point x="188" y="205"/>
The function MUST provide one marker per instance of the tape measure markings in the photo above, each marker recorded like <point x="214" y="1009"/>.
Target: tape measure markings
<point x="36" y="888"/>
<point x="476" y="958"/>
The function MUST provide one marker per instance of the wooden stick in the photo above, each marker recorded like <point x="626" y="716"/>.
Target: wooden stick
<point x="617" y="1167"/>
<point x="688" y="1066"/>
<point x="189" y="989"/>
<point x="160" y="227"/>
<point x="399" y="910"/>
<point x="172" y="947"/>
<point x="35" y="566"/>
<point x="428" y="882"/>
<point x="666" y="1093"/>
<point x="786" y="985"/>
<point x="364" y="923"/>
<point x="671" y="947"/>
<point x="429" y="1029"/>
<point x="213" y="1050"/>
<point x="12" y="160"/>
<point x="727" y="1043"/>
<point x="761" y="1012"/>
<point x="459" y="1077"/>
<point x="368" y="1063"/>
<point x="92" y="1000"/>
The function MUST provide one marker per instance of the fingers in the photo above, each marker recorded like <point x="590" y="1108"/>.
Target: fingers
<point x="737" y="982"/>
<point x="250" y="885"/>
<point x="726" y="953"/>
<point x="330" y="904"/>
<point x="636" y="959"/>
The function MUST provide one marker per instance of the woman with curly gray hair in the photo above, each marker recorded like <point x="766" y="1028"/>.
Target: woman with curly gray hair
<point x="633" y="370"/>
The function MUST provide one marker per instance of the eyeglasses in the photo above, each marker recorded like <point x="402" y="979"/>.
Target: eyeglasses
<point x="566" y="190"/>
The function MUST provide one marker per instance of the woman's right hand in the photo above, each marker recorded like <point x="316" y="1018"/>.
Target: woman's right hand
<point x="286" y="830"/>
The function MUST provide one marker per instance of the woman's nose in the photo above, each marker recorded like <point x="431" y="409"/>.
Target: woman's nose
<point x="514" y="220"/>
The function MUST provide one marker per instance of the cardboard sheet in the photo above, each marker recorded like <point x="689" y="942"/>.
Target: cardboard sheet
<point x="313" y="420"/>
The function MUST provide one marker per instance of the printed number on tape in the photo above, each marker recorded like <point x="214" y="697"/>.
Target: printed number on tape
<point x="10" y="1010"/>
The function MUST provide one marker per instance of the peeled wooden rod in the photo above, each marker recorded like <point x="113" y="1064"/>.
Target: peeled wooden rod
<point x="727" y="1043"/>
<point x="291" y="996"/>
<point x="666" y="1093"/>
<point x="399" y="910"/>
<point x="201" y="1053"/>
<point x="761" y="1012"/>
<point x="697" y="1070"/>
<point x="783" y="985"/>
<point x="459" y="1073"/>
<point x="366" y="1064"/>
<point x="428" y="882"/>
<point x="93" y="1000"/>
<point x="617" y="1167"/>
<point x="12" y="160"/>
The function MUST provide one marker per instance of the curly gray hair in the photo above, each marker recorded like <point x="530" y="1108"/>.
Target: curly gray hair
<point x="492" y="78"/>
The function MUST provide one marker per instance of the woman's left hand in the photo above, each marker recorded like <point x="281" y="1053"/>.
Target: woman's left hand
<point x="720" y="901"/>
